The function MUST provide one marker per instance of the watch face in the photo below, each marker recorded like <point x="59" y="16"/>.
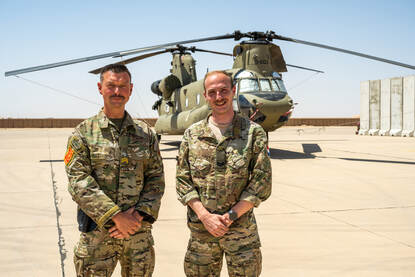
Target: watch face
<point x="232" y="215"/>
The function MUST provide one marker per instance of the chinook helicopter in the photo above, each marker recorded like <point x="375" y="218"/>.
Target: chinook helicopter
<point x="259" y="96"/>
<point x="257" y="74"/>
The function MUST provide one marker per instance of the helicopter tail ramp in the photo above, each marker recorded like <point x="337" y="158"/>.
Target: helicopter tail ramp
<point x="387" y="107"/>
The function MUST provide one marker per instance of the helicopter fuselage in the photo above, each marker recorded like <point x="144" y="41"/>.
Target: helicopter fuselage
<point x="260" y="91"/>
<point x="262" y="99"/>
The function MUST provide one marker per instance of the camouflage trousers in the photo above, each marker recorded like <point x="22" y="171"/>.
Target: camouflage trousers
<point x="204" y="254"/>
<point x="97" y="254"/>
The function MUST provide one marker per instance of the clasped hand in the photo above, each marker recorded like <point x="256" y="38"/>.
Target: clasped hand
<point x="217" y="225"/>
<point x="126" y="224"/>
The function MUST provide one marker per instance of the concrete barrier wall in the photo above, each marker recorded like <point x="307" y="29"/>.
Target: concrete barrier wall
<point x="364" y="107"/>
<point x="374" y="107"/>
<point x="387" y="107"/>
<point x="385" y="116"/>
<point x="408" y="106"/>
<point x="396" y="106"/>
<point x="72" y="122"/>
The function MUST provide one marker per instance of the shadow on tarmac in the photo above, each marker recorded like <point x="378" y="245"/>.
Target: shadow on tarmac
<point x="280" y="154"/>
<point x="175" y="143"/>
<point x="309" y="149"/>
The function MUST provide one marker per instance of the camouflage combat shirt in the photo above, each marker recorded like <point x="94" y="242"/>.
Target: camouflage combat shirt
<point x="111" y="170"/>
<point x="221" y="173"/>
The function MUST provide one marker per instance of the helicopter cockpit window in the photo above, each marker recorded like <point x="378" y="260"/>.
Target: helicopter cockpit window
<point x="281" y="85"/>
<point x="246" y="85"/>
<point x="265" y="85"/>
<point x="244" y="74"/>
<point x="276" y="75"/>
<point x="274" y="85"/>
<point x="186" y="103"/>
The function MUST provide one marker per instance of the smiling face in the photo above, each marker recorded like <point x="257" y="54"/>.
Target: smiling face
<point x="115" y="89"/>
<point x="219" y="94"/>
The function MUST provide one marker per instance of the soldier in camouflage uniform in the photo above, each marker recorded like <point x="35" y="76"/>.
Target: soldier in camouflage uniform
<point x="223" y="171"/>
<point x="116" y="177"/>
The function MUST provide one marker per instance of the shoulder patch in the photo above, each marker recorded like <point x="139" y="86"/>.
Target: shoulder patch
<point x="68" y="156"/>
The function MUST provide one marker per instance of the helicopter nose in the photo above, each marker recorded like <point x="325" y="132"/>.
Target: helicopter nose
<point x="266" y="108"/>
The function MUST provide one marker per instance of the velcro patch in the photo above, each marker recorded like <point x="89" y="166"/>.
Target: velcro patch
<point x="68" y="155"/>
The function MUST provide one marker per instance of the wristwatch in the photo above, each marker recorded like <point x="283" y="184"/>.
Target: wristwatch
<point x="232" y="215"/>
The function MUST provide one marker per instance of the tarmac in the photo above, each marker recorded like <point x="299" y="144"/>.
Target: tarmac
<point x="342" y="205"/>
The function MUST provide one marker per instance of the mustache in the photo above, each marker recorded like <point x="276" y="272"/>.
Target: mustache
<point x="119" y="96"/>
<point x="220" y="101"/>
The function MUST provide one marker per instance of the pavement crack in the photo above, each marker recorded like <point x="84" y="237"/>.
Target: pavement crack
<point x="61" y="239"/>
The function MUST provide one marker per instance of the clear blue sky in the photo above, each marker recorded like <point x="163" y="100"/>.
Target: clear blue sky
<point x="40" y="32"/>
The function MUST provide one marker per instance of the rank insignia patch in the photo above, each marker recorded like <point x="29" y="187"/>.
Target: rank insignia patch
<point x="68" y="155"/>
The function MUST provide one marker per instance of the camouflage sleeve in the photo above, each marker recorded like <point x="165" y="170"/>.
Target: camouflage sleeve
<point x="260" y="180"/>
<point x="83" y="188"/>
<point x="184" y="184"/>
<point x="153" y="189"/>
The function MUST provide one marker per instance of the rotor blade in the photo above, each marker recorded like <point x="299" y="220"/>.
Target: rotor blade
<point x="213" y="52"/>
<point x="344" y="51"/>
<point x="113" y="54"/>
<point x="133" y="51"/>
<point x="141" y="57"/>
<point x="305" y="68"/>
<point x="52" y="65"/>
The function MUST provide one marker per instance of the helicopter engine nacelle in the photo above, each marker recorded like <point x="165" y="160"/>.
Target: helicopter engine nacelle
<point x="166" y="86"/>
<point x="155" y="88"/>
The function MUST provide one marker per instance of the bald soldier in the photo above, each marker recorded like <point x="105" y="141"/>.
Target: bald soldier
<point x="116" y="177"/>
<point x="223" y="172"/>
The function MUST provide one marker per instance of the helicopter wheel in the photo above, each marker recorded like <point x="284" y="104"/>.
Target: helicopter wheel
<point x="158" y="137"/>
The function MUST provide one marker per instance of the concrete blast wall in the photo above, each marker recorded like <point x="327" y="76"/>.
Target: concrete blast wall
<point x="387" y="107"/>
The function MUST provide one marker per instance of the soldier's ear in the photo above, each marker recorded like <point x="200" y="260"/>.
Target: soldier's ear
<point x="99" y="87"/>
<point x="131" y="88"/>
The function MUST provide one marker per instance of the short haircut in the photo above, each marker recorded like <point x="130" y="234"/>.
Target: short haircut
<point x="116" y="68"/>
<point x="218" y="72"/>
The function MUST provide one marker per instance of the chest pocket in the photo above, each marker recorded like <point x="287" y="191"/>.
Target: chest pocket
<point x="200" y="168"/>
<point x="104" y="164"/>
<point x="138" y="155"/>
<point x="101" y="157"/>
<point x="238" y="165"/>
